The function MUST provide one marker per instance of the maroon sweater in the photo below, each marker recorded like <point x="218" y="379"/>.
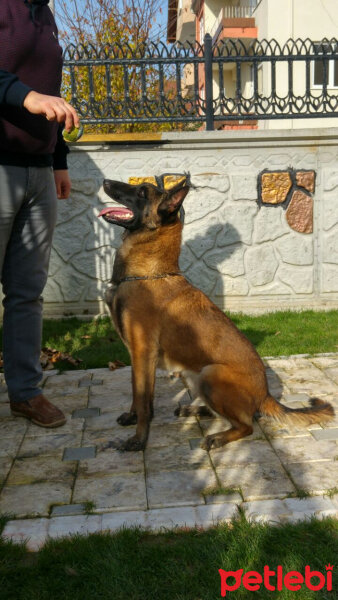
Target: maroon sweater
<point x="30" y="59"/>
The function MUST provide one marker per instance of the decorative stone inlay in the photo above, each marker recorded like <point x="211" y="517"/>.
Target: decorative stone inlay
<point x="275" y="187"/>
<point x="299" y="213"/>
<point x="169" y="180"/>
<point x="306" y="179"/>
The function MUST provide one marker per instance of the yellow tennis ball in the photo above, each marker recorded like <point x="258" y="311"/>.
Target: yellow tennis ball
<point x="73" y="135"/>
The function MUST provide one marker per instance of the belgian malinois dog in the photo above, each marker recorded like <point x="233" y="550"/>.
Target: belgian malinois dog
<point x="166" y="322"/>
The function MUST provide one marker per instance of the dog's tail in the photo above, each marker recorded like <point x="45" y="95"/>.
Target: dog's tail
<point x="318" y="412"/>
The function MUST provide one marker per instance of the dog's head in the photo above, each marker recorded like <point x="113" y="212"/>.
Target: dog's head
<point x="144" y="206"/>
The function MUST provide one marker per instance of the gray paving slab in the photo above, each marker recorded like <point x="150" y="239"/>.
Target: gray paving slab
<point x="41" y="469"/>
<point x="257" y="482"/>
<point x="13" y="426"/>
<point x="304" y="449"/>
<point x="114" y="521"/>
<point x="109" y="462"/>
<point x="179" y="488"/>
<point x="316" y="477"/>
<point x="172" y="458"/>
<point x="70" y="427"/>
<point x="212" y="514"/>
<point x="244" y="453"/>
<point x="65" y="510"/>
<point x="55" y="443"/>
<point x="171" y="434"/>
<point x="326" y="434"/>
<point x="119" y="492"/>
<point x="79" y="453"/>
<point x="79" y="524"/>
<point x="69" y="402"/>
<point x="32" y="532"/>
<point x="85" y="413"/>
<point x="105" y="420"/>
<point x="5" y="465"/>
<point x="35" y="499"/>
<point x="9" y="446"/>
<point x="162" y="519"/>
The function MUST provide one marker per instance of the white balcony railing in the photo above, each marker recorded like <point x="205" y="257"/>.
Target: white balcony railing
<point x="232" y="12"/>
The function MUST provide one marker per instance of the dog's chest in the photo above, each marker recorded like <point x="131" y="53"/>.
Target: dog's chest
<point x="112" y="300"/>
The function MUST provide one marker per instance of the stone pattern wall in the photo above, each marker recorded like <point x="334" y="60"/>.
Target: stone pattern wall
<point x="240" y="252"/>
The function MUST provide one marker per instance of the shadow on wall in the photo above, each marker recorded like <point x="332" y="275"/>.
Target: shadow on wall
<point x="213" y="261"/>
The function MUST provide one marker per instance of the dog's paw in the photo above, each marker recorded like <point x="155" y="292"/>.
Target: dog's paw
<point x="127" y="418"/>
<point x="211" y="442"/>
<point x="182" y="411"/>
<point x="132" y="444"/>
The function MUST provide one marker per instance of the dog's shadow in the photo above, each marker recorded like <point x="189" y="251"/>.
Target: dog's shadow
<point x="213" y="261"/>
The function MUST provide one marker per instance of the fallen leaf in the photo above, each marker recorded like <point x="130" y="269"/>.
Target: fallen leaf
<point x="71" y="571"/>
<point x="49" y="356"/>
<point x="116" y="364"/>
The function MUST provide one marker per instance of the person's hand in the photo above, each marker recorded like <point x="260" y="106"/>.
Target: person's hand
<point x="62" y="184"/>
<point x="53" y="108"/>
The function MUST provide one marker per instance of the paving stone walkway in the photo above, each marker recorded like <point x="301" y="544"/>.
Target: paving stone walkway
<point x="64" y="481"/>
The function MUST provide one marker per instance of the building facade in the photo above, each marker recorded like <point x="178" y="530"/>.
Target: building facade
<point x="246" y="21"/>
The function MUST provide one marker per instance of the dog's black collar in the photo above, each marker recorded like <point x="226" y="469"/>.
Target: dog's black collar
<point x="145" y="277"/>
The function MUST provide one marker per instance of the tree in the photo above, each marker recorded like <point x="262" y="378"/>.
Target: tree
<point x="115" y="29"/>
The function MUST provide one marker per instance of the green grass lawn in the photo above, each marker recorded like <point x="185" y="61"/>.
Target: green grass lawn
<point x="96" y="343"/>
<point x="134" y="565"/>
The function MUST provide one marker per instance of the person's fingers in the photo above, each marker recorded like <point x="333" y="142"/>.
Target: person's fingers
<point x="69" y="120"/>
<point x="53" y="107"/>
<point x="67" y="114"/>
<point x="65" y="190"/>
<point x="76" y="119"/>
<point x="58" y="188"/>
<point x="50" y="113"/>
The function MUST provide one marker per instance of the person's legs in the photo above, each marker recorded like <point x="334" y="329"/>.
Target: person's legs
<point x="28" y="198"/>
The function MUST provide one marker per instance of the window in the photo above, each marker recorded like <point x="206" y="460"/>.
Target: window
<point x="318" y="68"/>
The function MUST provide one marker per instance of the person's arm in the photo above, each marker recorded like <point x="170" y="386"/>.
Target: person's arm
<point x="15" y="93"/>
<point x="12" y="91"/>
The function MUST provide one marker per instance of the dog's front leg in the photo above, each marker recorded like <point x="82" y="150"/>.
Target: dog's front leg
<point x="143" y="379"/>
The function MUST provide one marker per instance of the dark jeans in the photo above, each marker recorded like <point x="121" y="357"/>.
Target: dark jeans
<point x="27" y="219"/>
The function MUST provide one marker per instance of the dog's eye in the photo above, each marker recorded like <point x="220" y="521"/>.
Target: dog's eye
<point x="142" y="192"/>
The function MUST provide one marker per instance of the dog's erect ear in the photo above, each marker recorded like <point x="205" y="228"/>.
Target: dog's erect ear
<point x="173" y="200"/>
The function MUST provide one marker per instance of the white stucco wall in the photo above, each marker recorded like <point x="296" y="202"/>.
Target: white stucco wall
<point x="245" y="257"/>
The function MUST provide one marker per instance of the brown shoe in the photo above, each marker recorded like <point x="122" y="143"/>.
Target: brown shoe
<point x="40" y="411"/>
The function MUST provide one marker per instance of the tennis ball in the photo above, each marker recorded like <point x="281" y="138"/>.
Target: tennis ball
<point x="73" y="135"/>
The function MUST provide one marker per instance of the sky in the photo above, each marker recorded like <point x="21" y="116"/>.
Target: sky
<point x="159" y="29"/>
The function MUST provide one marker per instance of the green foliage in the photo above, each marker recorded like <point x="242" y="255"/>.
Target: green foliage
<point x="176" y="565"/>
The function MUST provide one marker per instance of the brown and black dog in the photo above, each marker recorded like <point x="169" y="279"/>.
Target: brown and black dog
<point x="166" y="322"/>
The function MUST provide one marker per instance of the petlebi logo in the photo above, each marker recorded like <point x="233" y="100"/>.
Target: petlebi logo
<point x="276" y="580"/>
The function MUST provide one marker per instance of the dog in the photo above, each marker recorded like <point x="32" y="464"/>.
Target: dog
<point x="166" y="322"/>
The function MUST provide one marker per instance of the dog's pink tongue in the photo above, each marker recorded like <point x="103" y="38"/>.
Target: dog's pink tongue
<point x="116" y="211"/>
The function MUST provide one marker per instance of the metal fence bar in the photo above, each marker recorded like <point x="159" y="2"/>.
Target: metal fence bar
<point x="159" y="83"/>
<point x="209" y="102"/>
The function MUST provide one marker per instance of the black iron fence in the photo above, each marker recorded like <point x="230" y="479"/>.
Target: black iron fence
<point x="227" y="82"/>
